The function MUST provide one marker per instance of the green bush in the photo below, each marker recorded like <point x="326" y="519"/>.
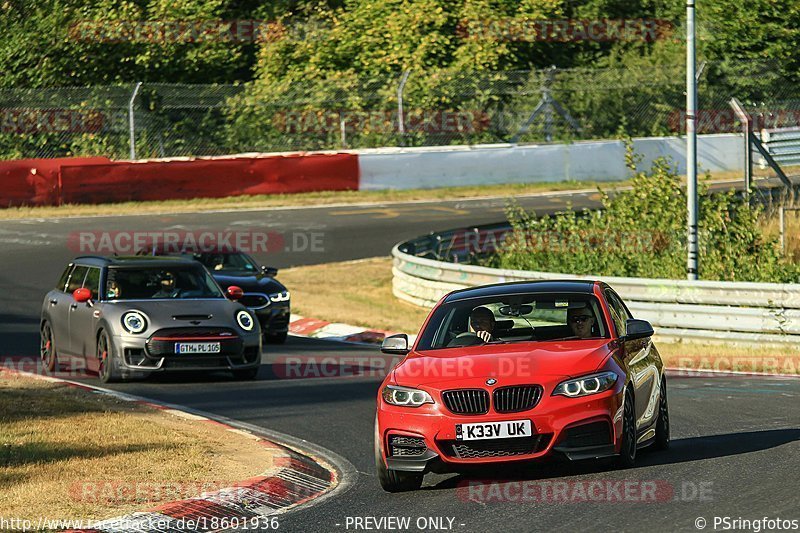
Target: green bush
<point x="642" y="233"/>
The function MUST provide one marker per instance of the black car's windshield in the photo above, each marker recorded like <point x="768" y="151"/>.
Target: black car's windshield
<point x="514" y="318"/>
<point x="156" y="283"/>
<point x="228" y="262"/>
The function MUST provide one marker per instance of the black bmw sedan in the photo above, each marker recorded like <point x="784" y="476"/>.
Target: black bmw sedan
<point x="264" y="295"/>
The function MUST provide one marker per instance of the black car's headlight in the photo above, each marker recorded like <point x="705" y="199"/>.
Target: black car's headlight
<point x="134" y="322"/>
<point x="245" y="320"/>
<point x="404" y="396"/>
<point x="586" y="385"/>
<point x="279" y="297"/>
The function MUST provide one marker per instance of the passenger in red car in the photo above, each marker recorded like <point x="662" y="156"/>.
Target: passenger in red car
<point x="482" y="321"/>
<point x="581" y="321"/>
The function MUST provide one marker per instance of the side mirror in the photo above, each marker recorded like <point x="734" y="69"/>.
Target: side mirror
<point x="234" y="293"/>
<point x="395" y="345"/>
<point x="269" y="271"/>
<point x="82" y="295"/>
<point x="638" y="329"/>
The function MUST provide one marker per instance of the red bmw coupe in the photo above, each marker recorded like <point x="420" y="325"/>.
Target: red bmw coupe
<point x="518" y="372"/>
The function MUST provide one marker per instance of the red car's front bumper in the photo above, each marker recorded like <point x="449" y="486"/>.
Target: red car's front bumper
<point x="578" y="428"/>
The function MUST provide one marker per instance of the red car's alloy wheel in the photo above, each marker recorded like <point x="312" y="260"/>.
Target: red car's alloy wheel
<point x="662" y="426"/>
<point x="627" y="452"/>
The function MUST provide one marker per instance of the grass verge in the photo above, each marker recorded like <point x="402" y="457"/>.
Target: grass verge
<point x="371" y="304"/>
<point x="66" y="453"/>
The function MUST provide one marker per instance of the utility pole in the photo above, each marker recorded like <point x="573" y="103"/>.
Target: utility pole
<point x="692" y="268"/>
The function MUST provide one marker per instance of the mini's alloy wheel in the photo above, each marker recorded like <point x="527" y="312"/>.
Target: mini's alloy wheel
<point x="107" y="364"/>
<point x="47" y="348"/>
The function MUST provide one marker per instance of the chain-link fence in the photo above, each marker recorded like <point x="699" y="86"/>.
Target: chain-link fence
<point x="409" y="109"/>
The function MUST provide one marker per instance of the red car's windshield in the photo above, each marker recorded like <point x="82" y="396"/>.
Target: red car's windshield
<point x="514" y="318"/>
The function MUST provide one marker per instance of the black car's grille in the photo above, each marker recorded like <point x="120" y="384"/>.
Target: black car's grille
<point x="254" y="301"/>
<point x="517" y="398"/>
<point x="162" y="342"/>
<point x="402" y="446"/>
<point x="467" y="401"/>
<point x="495" y="447"/>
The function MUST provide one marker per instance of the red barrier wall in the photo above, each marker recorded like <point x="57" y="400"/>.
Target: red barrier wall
<point x="99" y="180"/>
<point x="208" y="178"/>
<point x="36" y="181"/>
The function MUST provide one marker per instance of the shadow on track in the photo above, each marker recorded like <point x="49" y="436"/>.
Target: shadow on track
<point x="681" y="451"/>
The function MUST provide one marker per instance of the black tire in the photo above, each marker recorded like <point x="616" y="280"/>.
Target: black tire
<point x="276" y="338"/>
<point x="662" y="426"/>
<point x="47" y="348"/>
<point x="245" y="374"/>
<point x="392" y="480"/>
<point x="107" y="371"/>
<point x="627" y="452"/>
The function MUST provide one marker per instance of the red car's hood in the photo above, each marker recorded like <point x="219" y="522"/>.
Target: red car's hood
<point x="511" y="363"/>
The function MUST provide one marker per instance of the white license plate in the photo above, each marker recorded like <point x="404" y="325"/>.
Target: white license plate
<point x="197" y="347"/>
<point x="494" y="430"/>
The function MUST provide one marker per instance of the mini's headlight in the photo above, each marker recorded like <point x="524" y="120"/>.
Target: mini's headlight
<point x="586" y="385"/>
<point x="279" y="296"/>
<point x="405" y="396"/>
<point x="245" y="320"/>
<point x="134" y="322"/>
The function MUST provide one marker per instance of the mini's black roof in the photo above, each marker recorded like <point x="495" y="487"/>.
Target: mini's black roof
<point x="524" y="287"/>
<point x="135" y="261"/>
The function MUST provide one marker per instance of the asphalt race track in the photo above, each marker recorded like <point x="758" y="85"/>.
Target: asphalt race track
<point x="736" y="440"/>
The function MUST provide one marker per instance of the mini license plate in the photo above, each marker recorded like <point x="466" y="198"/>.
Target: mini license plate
<point x="197" y="347"/>
<point x="494" y="430"/>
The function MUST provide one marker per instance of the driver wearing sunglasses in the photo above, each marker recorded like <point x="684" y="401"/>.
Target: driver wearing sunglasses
<point x="581" y="321"/>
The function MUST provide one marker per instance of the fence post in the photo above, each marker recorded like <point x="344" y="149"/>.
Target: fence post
<point x="132" y="132"/>
<point x="744" y="118"/>
<point x="782" y="230"/>
<point x="401" y="127"/>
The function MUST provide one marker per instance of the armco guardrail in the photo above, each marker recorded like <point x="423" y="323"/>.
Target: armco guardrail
<point x="680" y="310"/>
<point x="783" y="144"/>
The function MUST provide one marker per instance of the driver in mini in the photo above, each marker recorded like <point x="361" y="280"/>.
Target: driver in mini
<point x="167" y="289"/>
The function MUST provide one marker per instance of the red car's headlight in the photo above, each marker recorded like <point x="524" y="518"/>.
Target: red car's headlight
<point x="586" y="385"/>
<point x="404" y="396"/>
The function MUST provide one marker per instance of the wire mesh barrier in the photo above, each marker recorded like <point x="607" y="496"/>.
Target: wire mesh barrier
<point x="408" y="109"/>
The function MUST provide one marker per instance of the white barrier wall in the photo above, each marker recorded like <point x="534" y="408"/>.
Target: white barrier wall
<point x="428" y="167"/>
